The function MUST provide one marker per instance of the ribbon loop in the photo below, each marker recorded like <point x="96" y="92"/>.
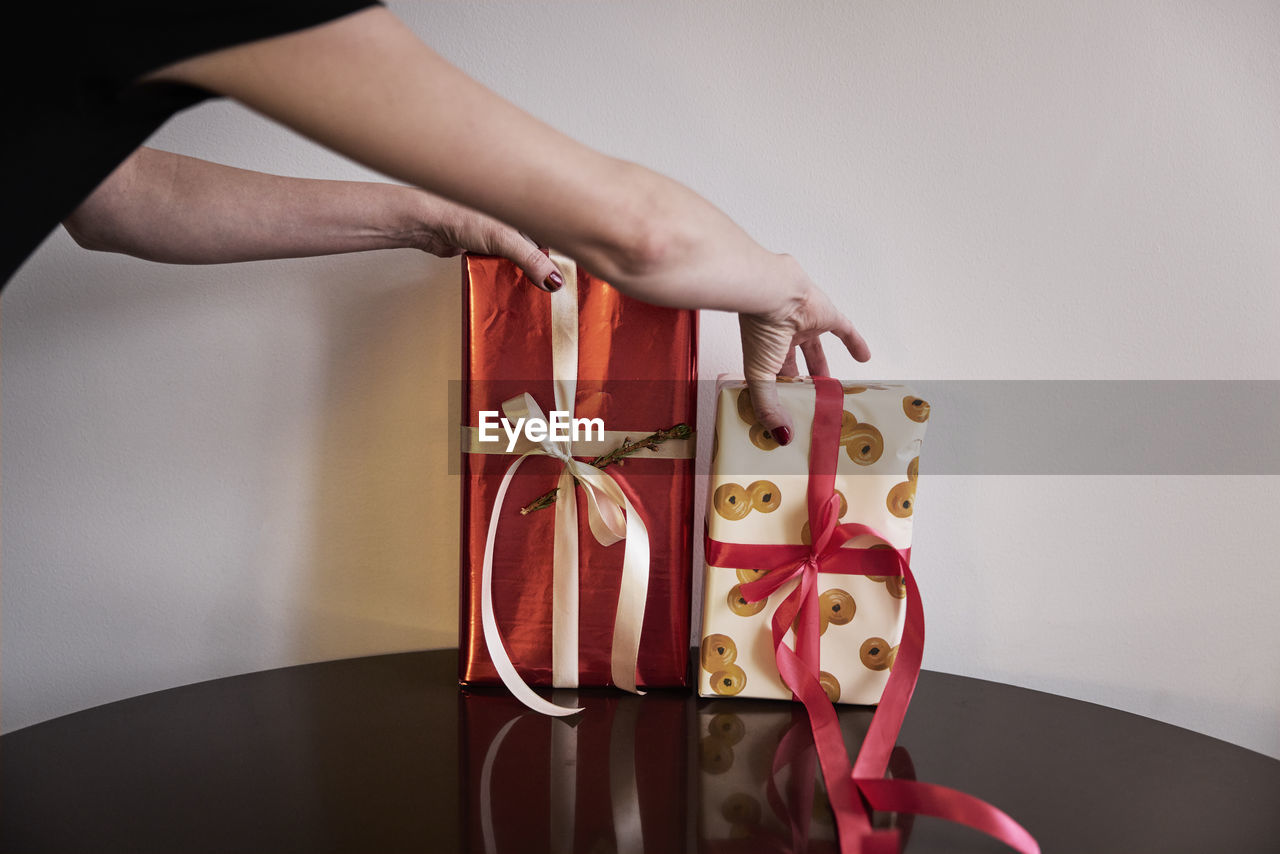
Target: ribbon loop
<point x="606" y="505"/>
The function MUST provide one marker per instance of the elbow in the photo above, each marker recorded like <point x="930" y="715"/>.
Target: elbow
<point x="88" y="228"/>
<point x="651" y="247"/>
<point x="641" y="236"/>
<point x="104" y="221"/>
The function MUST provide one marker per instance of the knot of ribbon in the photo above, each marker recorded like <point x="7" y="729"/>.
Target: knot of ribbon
<point x="610" y="514"/>
<point x="851" y="788"/>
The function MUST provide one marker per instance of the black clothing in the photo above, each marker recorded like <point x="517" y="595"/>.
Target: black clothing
<point x="73" y="111"/>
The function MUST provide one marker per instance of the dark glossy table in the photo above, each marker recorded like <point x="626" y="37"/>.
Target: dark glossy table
<point x="386" y="754"/>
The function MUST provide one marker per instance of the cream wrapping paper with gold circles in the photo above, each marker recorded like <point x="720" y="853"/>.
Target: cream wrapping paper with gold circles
<point x="758" y="495"/>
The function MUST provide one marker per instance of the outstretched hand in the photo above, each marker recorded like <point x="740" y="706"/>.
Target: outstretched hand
<point x="447" y="229"/>
<point x="769" y="343"/>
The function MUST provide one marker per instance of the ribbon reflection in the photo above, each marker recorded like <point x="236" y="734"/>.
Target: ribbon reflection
<point x="613" y="780"/>
<point x="759" y="786"/>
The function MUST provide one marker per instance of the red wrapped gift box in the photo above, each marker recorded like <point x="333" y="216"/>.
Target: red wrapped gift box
<point x="636" y="370"/>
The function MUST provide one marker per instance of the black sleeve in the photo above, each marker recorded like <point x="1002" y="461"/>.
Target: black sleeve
<point x="73" y="109"/>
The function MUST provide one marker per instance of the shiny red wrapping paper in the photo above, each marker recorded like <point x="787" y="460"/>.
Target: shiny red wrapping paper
<point x="548" y="791"/>
<point x="637" y="367"/>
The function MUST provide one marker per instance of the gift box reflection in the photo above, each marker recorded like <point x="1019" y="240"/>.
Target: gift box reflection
<point x="614" y="778"/>
<point x="648" y="774"/>
<point x="759" y="784"/>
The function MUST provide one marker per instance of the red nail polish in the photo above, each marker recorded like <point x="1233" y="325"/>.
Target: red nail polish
<point x="555" y="281"/>
<point x="783" y="435"/>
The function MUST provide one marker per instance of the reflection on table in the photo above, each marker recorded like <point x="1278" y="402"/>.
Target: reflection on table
<point x="384" y="753"/>
<point x="649" y="773"/>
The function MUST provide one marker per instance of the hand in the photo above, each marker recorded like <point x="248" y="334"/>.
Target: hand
<point x="446" y="229"/>
<point x="769" y="343"/>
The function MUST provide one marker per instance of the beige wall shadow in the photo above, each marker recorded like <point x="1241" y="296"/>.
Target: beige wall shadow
<point x="382" y="575"/>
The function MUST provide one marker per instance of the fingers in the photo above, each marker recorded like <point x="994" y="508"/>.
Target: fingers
<point x="789" y="367"/>
<point x="513" y="245"/>
<point x="814" y="358"/>
<point x="856" y="344"/>
<point x="764" y="400"/>
<point x="450" y="228"/>
<point x="830" y="319"/>
<point x="767" y="351"/>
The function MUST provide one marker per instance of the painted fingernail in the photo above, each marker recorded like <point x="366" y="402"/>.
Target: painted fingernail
<point x="555" y="281"/>
<point x="783" y="435"/>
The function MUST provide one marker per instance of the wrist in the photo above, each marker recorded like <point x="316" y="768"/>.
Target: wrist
<point x="407" y="217"/>
<point x="790" y="289"/>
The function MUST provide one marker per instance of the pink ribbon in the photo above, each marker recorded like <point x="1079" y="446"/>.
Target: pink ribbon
<point x="848" y="787"/>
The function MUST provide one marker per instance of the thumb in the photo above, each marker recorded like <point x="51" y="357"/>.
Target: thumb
<point x="514" y="246"/>
<point x="763" y="391"/>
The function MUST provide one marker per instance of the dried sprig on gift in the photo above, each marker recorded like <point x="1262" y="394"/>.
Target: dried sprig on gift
<point x="615" y="457"/>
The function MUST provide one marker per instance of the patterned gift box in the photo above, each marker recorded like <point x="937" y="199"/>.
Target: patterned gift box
<point x="757" y="495"/>
<point x="810" y="594"/>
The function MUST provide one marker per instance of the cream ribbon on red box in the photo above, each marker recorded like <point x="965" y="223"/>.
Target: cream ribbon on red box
<point x="610" y="515"/>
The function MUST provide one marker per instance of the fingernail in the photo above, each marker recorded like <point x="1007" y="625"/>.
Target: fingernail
<point x="783" y="435"/>
<point x="555" y="281"/>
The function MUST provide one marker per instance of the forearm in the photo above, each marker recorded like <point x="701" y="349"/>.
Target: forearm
<point x="181" y="210"/>
<point x="368" y="88"/>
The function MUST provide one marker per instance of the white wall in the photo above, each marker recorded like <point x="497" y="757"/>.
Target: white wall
<point x="219" y="470"/>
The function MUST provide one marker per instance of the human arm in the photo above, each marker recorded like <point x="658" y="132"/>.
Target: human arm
<point x="182" y="210"/>
<point x="367" y="87"/>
